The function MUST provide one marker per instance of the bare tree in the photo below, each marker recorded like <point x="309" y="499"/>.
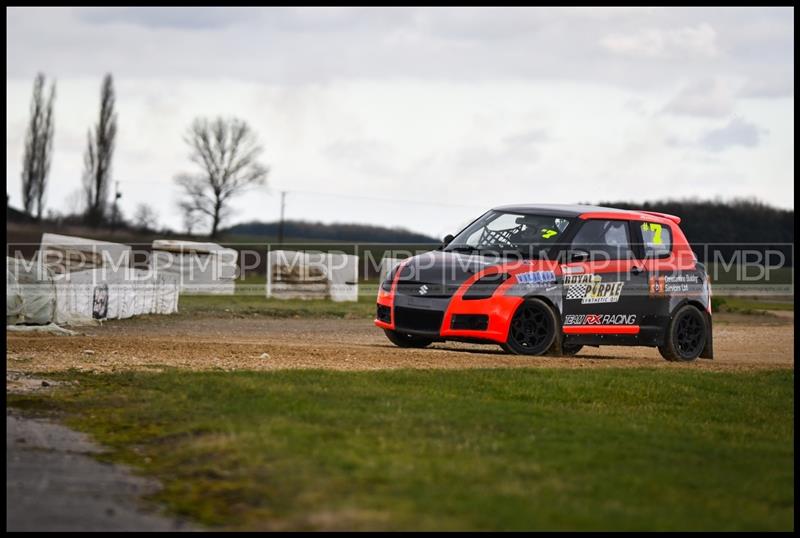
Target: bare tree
<point x="38" y="147"/>
<point x="145" y="217"/>
<point x="75" y="202"/>
<point x="227" y="151"/>
<point x="191" y="217"/>
<point x="97" y="159"/>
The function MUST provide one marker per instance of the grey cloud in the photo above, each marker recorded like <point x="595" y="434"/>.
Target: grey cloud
<point x="478" y="24"/>
<point x="637" y="105"/>
<point x="168" y="17"/>
<point x="317" y="20"/>
<point x="776" y="87"/>
<point x="707" y="97"/>
<point x="686" y="41"/>
<point x="366" y="155"/>
<point x="526" y="139"/>
<point x="480" y="161"/>
<point x="291" y="46"/>
<point x="675" y="141"/>
<point x="516" y="150"/>
<point x="738" y="132"/>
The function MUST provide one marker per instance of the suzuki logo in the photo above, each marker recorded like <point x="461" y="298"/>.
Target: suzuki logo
<point x="423" y="289"/>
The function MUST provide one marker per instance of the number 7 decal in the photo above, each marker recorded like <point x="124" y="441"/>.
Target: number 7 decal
<point x="656" y="229"/>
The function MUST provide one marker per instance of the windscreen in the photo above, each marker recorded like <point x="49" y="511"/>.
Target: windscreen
<point x="515" y="233"/>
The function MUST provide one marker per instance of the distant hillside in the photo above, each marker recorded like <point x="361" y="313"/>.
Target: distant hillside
<point x="298" y="229"/>
<point x="737" y="221"/>
<point x="25" y="236"/>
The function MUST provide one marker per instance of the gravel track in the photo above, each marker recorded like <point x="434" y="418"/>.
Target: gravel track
<point x="54" y="484"/>
<point x="740" y="342"/>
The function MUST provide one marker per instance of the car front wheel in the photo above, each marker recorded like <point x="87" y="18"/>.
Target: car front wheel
<point x="533" y="329"/>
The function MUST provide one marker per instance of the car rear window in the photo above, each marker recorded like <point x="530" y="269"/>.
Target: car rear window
<point x="657" y="239"/>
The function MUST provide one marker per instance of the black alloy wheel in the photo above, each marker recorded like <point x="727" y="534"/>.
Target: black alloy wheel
<point x="532" y="330"/>
<point x="686" y="335"/>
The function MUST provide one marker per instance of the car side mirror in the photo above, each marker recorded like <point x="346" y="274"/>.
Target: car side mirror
<point x="578" y="255"/>
<point x="447" y="240"/>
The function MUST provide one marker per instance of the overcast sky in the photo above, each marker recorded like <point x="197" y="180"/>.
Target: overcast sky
<point x="420" y="117"/>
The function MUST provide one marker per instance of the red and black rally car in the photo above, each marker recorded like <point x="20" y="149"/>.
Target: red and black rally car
<point x="551" y="279"/>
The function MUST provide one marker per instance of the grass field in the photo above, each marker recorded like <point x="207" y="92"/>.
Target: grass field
<point x="250" y="300"/>
<point x="751" y="306"/>
<point x="249" y="304"/>
<point x="257" y="305"/>
<point x="479" y="449"/>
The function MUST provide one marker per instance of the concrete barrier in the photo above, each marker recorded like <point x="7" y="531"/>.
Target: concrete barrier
<point x="312" y="275"/>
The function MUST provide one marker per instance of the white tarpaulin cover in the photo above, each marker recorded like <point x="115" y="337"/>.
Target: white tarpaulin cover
<point x="50" y="328"/>
<point x="81" y="280"/>
<point x="30" y="294"/>
<point x="312" y="275"/>
<point x="83" y="296"/>
<point x="64" y="254"/>
<point x="200" y="267"/>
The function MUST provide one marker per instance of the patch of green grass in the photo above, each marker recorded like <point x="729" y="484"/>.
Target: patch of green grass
<point x="250" y="299"/>
<point x="745" y="305"/>
<point x="252" y="280"/>
<point x="258" y="305"/>
<point x="632" y="449"/>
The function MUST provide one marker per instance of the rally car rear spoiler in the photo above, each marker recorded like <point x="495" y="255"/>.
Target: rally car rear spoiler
<point x="673" y="218"/>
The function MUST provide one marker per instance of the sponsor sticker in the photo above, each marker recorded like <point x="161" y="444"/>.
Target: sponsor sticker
<point x="600" y="319"/>
<point x="602" y="292"/>
<point x="577" y="291"/>
<point x="591" y="289"/>
<point x="655" y="286"/>
<point x="578" y="279"/>
<point x="680" y="283"/>
<point x="569" y="270"/>
<point x="537" y="278"/>
<point x="683" y="284"/>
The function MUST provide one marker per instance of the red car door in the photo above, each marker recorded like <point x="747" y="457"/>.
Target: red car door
<point x="602" y="280"/>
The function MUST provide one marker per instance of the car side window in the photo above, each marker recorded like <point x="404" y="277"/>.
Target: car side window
<point x="657" y="240"/>
<point x="604" y="239"/>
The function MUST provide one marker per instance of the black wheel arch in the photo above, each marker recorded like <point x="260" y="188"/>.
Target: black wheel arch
<point x="547" y="300"/>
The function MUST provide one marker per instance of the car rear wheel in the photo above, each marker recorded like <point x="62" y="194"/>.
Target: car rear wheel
<point x="686" y="335"/>
<point x="407" y="340"/>
<point x="533" y="329"/>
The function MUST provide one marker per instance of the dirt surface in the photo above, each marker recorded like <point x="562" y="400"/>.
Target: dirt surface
<point x="54" y="484"/>
<point x="741" y="342"/>
<point x="22" y="382"/>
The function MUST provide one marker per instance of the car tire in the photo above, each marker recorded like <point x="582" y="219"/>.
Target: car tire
<point x="570" y="350"/>
<point x="407" y="340"/>
<point x="686" y="335"/>
<point x="566" y="350"/>
<point x="533" y="329"/>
